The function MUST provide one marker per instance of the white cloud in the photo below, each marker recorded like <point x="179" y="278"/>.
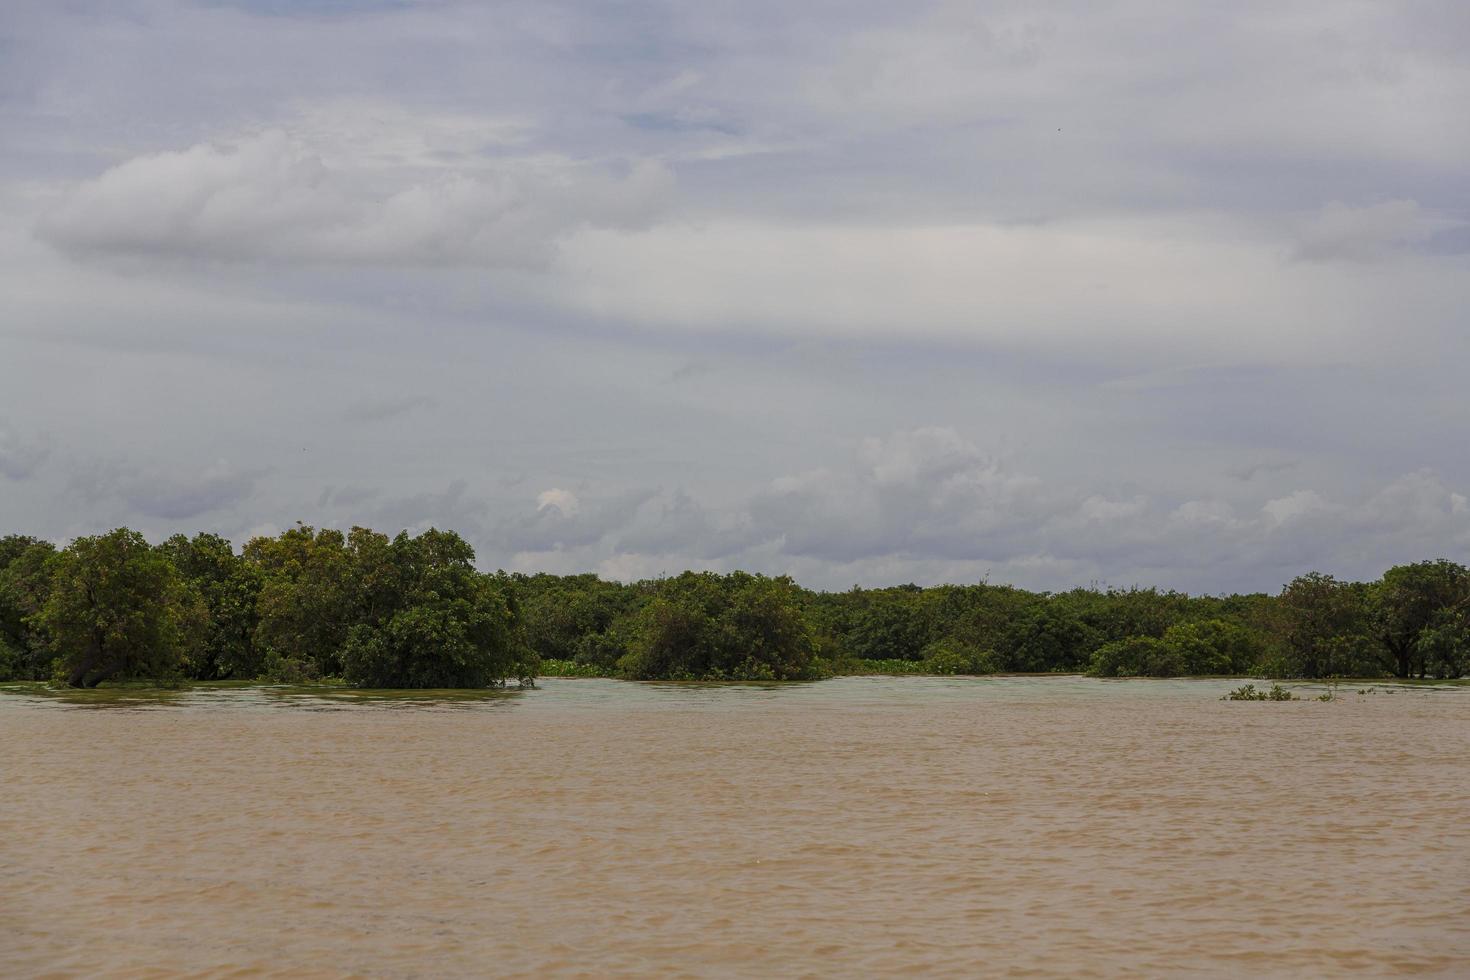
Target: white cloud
<point x="928" y="505"/>
<point x="1191" y="285"/>
<point x="278" y="197"/>
<point x="563" y="502"/>
<point x="1293" y="506"/>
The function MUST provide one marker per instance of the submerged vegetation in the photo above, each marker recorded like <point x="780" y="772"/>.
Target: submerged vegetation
<point x="1249" y="693"/>
<point x="413" y="612"/>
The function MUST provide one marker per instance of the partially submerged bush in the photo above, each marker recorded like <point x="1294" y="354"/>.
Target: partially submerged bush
<point x="1248" y="692"/>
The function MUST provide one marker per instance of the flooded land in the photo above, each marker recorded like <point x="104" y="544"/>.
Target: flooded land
<point x="858" y="826"/>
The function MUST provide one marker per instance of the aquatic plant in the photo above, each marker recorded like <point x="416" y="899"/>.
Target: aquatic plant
<point x="1248" y="692"/>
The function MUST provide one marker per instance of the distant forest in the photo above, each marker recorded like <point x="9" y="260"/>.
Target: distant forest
<point x="414" y="612"/>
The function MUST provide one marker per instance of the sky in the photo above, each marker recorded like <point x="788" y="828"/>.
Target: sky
<point x="1114" y="292"/>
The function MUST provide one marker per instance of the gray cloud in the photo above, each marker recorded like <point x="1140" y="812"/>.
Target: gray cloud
<point x="382" y="409"/>
<point x="454" y="507"/>
<point x="21" y="457"/>
<point x="278" y="197"/>
<point x="189" y="495"/>
<point x="561" y="520"/>
<point x="930" y="501"/>
<point x="167" y="493"/>
<point x="1363" y="234"/>
<point x="1126" y="291"/>
<point x="345" y="498"/>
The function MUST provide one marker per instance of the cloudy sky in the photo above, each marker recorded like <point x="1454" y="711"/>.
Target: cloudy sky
<point x="1053" y="293"/>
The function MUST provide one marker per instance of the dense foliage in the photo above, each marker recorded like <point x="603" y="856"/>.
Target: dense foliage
<point x="412" y="611"/>
<point x="1414" y="622"/>
<point x="118" y="608"/>
<point x="306" y="605"/>
<point x="431" y="620"/>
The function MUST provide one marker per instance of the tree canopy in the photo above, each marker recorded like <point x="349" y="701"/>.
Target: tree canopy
<point x="118" y="608"/>
<point x="414" y="611"/>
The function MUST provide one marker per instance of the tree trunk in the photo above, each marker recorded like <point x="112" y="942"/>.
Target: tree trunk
<point x="100" y="676"/>
<point x="1401" y="657"/>
<point x="88" y="662"/>
<point x="74" y="679"/>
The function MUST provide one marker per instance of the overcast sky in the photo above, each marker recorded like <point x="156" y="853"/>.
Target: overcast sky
<point x="1053" y="293"/>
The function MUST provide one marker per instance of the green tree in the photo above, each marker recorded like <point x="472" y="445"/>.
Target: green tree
<point x="764" y="628"/>
<point x="1121" y="613"/>
<point x="1444" y="647"/>
<point x="886" y="624"/>
<point x="979" y="617"/>
<point x="25" y="581"/>
<point x="953" y="656"/>
<point x="568" y="617"/>
<point x="434" y="621"/>
<point x="308" y="601"/>
<point x="14" y="665"/>
<point x="230" y="588"/>
<point x="703" y="626"/>
<point x="1048" y="637"/>
<point x="1212" y="646"/>
<point x="1326" y="628"/>
<point x="1134" y="656"/>
<point x="117" y="609"/>
<point x="1409" y="602"/>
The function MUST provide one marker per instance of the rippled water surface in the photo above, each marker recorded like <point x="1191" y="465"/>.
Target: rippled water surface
<point x="1034" y="826"/>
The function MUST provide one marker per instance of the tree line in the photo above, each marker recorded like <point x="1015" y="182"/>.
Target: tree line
<point x="410" y="611"/>
<point x="413" y="611"/>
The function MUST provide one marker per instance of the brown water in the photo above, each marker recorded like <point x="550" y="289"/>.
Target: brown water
<point x="1043" y="827"/>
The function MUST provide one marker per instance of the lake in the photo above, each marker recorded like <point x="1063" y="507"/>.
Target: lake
<point x="859" y="826"/>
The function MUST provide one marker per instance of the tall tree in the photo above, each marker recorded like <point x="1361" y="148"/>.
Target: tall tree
<point x="1326" y="626"/>
<point x="1048" y="637"/>
<point x="1410" y="601"/>
<point x="117" y="608"/>
<point x="704" y="626"/>
<point x="25" y="581"/>
<point x="230" y="588"/>
<point x="308" y="600"/>
<point x="435" y="621"/>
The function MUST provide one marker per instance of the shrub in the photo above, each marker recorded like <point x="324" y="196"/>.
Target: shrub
<point x="949" y="656"/>
<point x="1248" y="692"/>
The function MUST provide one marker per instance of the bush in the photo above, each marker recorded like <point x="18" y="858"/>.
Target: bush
<point x="1249" y="693"/>
<point x="289" y="670"/>
<point x="949" y="656"/>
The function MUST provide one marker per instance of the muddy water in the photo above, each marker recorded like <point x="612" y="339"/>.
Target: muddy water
<point x="855" y="827"/>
